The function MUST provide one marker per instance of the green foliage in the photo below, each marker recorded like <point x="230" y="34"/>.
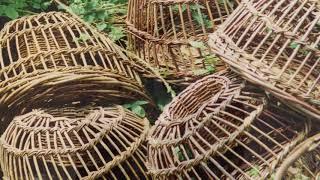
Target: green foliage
<point x="254" y="172"/>
<point x="209" y="60"/>
<point x="293" y="45"/>
<point x="102" y="14"/>
<point x="199" y="17"/>
<point x="17" y="8"/>
<point x="136" y="107"/>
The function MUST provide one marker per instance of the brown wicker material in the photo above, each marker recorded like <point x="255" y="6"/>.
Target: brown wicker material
<point x="162" y="32"/>
<point x="42" y="64"/>
<point x="221" y="128"/>
<point x="275" y="44"/>
<point x="74" y="143"/>
<point x="52" y="40"/>
<point x="303" y="162"/>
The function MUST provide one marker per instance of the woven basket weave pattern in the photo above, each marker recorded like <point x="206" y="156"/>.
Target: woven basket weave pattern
<point x="162" y="32"/>
<point x="304" y="158"/>
<point x="52" y="40"/>
<point x="227" y="135"/>
<point x="275" y="44"/>
<point x="75" y="143"/>
<point x="51" y="59"/>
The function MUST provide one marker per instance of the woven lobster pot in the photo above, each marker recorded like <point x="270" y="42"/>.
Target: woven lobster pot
<point x="170" y="35"/>
<point x="52" y="57"/>
<point x="54" y="39"/>
<point x="75" y="143"/>
<point x="275" y="44"/>
<point x="303" y="162"/>
<point x="221" y="128"/>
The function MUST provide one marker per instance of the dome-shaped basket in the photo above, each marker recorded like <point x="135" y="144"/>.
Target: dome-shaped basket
<point x="75" y="143"/>
<point x="51" y="57"/>
<point x="275" y="44"/>
<point x="52" y="40"/>
<point x="170" y="35"/>
<point x="221" y="128"/>
<point x="303" y="162"/>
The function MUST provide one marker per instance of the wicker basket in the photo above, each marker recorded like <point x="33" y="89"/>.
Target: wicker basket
<point x="75" y="143"/>
<point x="170" y="34"/>
<point x="275" y="44"/>
<point x="53" y="40"/>
<point x="303" y="162"/>
<point x="221" y="128"/>
<point x="42" y="64"/>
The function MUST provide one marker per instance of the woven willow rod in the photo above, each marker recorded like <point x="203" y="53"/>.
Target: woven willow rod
<point x="52" y="40"/>
<point x="51" y="59"/>
<point x="171" y="35"/>
<point x="75" y="143"/>
<point x="275" y="44"/>
<point x="222" y="128"/>
<point x="303" y="162"/>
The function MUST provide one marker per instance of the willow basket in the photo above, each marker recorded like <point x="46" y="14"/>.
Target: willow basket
<point x="51" y="58"/>
<point x="52" y="40"/>
<point x="303" y="161"/>
<point x="75" y="143"/>
<point x="170" y="35"/>
<point x="275" y="44"/>
<point x="221" y="128"/>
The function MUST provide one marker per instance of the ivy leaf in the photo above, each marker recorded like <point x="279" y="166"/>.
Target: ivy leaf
<point x="45" y="5"/>
<point x="101" y="15"/>
<point x="140" y="103"/>
<point x="116" y="33"/>
<point x="197" y="44"/>
<point x="89" y="18"/>
<point x="138" y="110"/>
<point x="293" y="45"/>
<point x="11" y="12"/>
<point x="210" y="69"/>
<point x="101" y="26"/>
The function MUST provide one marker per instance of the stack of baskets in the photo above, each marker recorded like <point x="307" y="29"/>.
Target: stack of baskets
<point x="60" y="82"/>
<point x="256" y="118"/>
<point x="171" y="35"/>
<point x="252" y="120"/>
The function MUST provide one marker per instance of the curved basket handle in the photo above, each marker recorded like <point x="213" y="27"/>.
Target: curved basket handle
<point x="306" y="146"/>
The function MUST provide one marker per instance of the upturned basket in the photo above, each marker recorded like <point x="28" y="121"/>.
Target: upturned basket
<point x="222" y="128"/>
<point x="171" y="35"/>
<point x="52" y="40"/>
<point x="275" y="44"/>
<point x="52" y="58"/>
<point x="75" y="143"/>
<point x="303" y="162"/>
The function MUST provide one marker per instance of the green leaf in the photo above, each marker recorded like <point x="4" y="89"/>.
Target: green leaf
<point x="196" y="7"/>
<point x="138" y="110"/>
<point x="101" y="15"/>
<point x="45" y="5"/>
<point x="89" y="18"/>
<point x="254" y="171"/>
<point x="101" y="26"/>
<point x="293" y="45"/>
<point x="197" y="44"/>
<point x="211" y="59"/>
<point x="139" y="103"/>
<point x="210" y="69"/>
<point x="11" y="12"/>
<point x="116" y="33"/>
<point x="83" y="37"/>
